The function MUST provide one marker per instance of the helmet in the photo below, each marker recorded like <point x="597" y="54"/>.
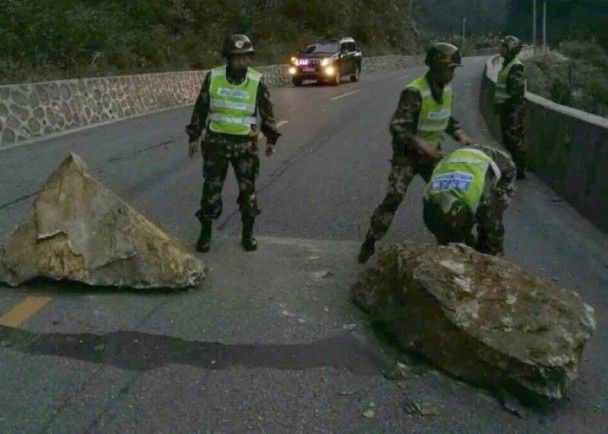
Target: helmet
<point x="237" y="44"/>
<point x="512" y="43"/>
<point x="443" y="54"/>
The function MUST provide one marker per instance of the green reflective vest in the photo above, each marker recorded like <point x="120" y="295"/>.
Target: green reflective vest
<point x="500" y="90"/>
<point x="233" y="107"/>
<point x="434" y="116"/>
<point x="460" y="176"/>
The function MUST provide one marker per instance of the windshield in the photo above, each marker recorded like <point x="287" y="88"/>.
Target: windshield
<point x="322" y="47"/>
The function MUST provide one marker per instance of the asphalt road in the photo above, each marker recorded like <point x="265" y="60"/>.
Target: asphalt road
<point x="270" y="342"/>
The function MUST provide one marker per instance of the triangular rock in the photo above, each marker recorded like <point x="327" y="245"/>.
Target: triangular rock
<point x="81" y="231"/>
<point x="479" y="318"/>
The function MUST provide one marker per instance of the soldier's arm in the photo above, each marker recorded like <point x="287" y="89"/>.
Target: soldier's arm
<point x="455" y="130"/>
<point x="404" y="122"/>
<point x="508" y="171"/>
<point x="269" y="125"/>
<point x="198" y="121"/>
<point x="516" y="84"/>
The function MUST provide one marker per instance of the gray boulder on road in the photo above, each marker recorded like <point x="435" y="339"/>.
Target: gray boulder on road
<point x="79" y="230"/>
<point x="479" y="318"/>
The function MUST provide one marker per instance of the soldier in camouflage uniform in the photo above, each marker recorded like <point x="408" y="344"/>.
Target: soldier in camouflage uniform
<point x="230" y="100"/>
<point x="471" y="186"/>
<point x="417" y="127"/>
<point x="510" y="103"/>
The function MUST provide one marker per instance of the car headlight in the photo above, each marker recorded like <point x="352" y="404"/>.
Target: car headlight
<point x="330" y="70"/>
<point x="293" y="70"/>
<point x="325" y="62"/>
<point x="294" y="60"/>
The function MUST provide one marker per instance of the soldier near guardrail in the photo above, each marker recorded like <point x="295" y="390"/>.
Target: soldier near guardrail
<point x="510" y="102"/>
<point x="470" y="187"/>
<point x="231" y="98"/>
<point x="422" y="118"/>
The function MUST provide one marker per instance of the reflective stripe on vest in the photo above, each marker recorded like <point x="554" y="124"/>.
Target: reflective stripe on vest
<point x="232" y="120"/>
<point x="460" y="176"/>
<point x="434" y="116"/>
<point x="500" y="90"/>
<point x="233" y="106"/>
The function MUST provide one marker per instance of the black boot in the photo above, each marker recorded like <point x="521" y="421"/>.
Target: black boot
<point x="368" y="248"/>
<point x="204" y="239"/>
<point x="248" y="242"/>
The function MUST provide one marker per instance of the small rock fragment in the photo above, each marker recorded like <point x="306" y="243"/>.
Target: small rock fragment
<point x="415" y="408"/>
<point x="370" y="411"/>
<point x="400" y="371"/>
<point x="349" y="327"/>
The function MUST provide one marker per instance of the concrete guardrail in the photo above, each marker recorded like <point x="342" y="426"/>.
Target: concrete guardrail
<point x="568" y="148"/>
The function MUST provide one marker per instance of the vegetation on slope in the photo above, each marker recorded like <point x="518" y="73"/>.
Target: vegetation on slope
<point x="45" y="39"/>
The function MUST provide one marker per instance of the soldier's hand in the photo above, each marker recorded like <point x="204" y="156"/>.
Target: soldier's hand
<point x="193" y="149"/>
<point x="435" y="154"/>
<point x="430" y="151"/>
<point x="464" y="140"/>
<point x="270" y="148"/>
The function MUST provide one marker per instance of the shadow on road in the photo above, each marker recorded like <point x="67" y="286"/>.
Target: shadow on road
<point x="142" y="351"/>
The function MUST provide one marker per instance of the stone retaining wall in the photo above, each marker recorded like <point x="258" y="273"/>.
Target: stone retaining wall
<point x="568" y="148"/>
<point x="30" y="111"/>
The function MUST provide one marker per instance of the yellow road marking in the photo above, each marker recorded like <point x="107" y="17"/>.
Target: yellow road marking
<point x="24" y="310"/>
<point x="344" y="95"/>
<point x="281" y="123"/>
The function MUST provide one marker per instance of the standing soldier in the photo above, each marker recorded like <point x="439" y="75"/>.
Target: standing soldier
<point x="423" y="116"/>
<point x="510" y="102"/>
<point x="471" y="186"/>
<point x="231" y="98"/>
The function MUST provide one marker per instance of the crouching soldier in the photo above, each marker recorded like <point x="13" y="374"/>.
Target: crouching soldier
<point x="470" y="187"/>
<point x="423" y="117"/>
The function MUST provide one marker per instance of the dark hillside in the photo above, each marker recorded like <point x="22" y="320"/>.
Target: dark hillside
<point x="64" y="38"/>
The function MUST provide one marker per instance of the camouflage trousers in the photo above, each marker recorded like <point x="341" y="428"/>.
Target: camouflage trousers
<point x="403" y="170"/>
<point x="490" y="229"/>
<point x="513" y="127"/>
<point x="246" y="164"/>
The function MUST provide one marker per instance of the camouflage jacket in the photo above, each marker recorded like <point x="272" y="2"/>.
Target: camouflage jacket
<point x="404" y="124"/>
<point x="201" y="111"/>
<point x="506" y="184"/>
<point x="516" y="86"/>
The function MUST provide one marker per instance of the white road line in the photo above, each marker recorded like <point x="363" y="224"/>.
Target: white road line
<point x="281" y="123"/>
<point x="344" y="95"/>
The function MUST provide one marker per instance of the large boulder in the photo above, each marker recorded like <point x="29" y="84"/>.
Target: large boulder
<point x="479" y="318"/>
<point x="79" y="230"/>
